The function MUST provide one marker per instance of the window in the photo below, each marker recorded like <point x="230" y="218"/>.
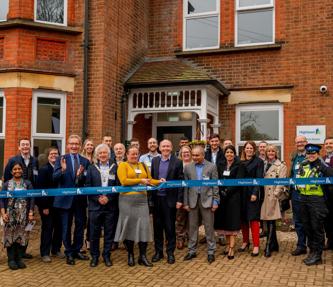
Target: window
<point x="3" y="9"/>
<point x="48" y="122"/>
<point x="260" y="122"/>
<point x="254" y="22"/>
<point x="2" y="130"/>
<point x="51" y="11"/>
<point x="201" y="24"/>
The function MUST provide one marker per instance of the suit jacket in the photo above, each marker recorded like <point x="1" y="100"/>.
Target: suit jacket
<point x="45" y="180"/>
<point x="30" y="172"/>
<point x="220" y="158"/>
<point x="94" y="179"/>
<point x="207" y="193"/>
<point x="175" y="172"/>
<point x="67" y="179"/>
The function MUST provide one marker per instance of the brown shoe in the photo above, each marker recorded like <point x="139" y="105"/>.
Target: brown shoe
<point x="180" y="244"/>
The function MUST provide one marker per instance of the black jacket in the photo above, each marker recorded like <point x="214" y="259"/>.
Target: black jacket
<point x="220" y="158"/>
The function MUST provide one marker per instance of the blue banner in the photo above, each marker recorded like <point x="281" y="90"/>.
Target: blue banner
<point x="167" y="184"/>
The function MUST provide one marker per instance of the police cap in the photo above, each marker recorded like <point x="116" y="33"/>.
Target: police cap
<point x="312" y="148"/>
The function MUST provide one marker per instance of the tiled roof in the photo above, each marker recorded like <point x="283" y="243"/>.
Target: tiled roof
<point x="170" y="72"/>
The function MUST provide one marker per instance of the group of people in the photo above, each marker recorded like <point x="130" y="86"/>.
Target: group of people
<point x="177" y="213"/>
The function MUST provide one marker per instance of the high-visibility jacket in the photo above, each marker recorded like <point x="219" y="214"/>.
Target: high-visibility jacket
<point x="310" y="189"/>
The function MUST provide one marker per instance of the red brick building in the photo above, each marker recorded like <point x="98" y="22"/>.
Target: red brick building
<point x="247" y="69"/>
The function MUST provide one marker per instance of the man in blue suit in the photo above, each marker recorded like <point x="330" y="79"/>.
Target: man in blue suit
<point x="70" y="171"/>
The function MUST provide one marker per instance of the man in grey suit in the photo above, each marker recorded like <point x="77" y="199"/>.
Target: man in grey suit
<point x="201" y="201"/>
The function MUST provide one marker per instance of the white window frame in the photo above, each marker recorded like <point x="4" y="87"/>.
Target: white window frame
<point x="46" y="136"/>
<point x="3" y="133"/>
<point x="254" y="8"/>
<point x="187" y="16"/>
<point x="258" y="108"/>
<point x="4" y="20"/>
<point x="52" y="23"/>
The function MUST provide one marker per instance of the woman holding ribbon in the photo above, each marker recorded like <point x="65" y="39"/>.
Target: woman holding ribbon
<point x="16" y="213"/>
<point x="133" y="223"/>
<point x="103" y="208"/>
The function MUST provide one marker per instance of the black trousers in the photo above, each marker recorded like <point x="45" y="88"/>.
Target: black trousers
<point x="50" y="237"/>
<point x="313" y="212"/>
<point x="98" y="220"/>
<point x="164" y="218"/>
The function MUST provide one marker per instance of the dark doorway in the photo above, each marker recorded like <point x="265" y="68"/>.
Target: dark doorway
<point x="174" y="134"/>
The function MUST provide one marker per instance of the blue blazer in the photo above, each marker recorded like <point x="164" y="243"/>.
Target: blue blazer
<point x="67" y="179"/>
<point x="94" y="179"/>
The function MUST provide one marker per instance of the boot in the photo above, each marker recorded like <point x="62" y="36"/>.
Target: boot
<point x="142" y="258"/>
<point x="315" y="259"/>
<point x="20" y="251"/>
<point x="11" y="258"/>
<point x="274" y="241"/>
<point x="267" y="252"/>
<point x="129" y="244"/>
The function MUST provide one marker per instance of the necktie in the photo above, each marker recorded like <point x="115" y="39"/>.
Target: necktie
<point x="76" y="165"/>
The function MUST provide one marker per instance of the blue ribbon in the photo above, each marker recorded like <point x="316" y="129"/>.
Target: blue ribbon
<point x="167" y="184"/>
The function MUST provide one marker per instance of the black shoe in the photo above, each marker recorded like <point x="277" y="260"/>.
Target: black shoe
<point x="210" y="258"/>
<point x="94" y="262"/>
<point x="144" y="261"/>
<point x="81" y="256"/>
<point x="298" y="252"/>
<point x="189" y="256"/>
<point x="130" y="260"/>
<point x="171" y="259"/>
<point x="247" y="246"/>
<point x="27" y="256"/>
<point x="12" y="265"/>
<point x="20" y="264"/>
<point x="157" y="257"/>
<point x="107" y="261"/>
<point x="70" y="260"/>
<point x="254" y="254"/>
<point x="315" y="259"/>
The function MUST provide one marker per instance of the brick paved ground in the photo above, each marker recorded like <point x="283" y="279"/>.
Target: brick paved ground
<point x="279" y="270"/>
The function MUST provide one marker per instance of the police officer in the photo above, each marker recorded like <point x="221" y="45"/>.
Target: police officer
<point x="313" y="207"/>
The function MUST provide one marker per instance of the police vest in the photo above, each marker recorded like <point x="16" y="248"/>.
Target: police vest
<point x="310" y="189"/>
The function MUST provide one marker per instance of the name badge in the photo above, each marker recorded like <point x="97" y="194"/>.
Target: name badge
<point x="148" y="163"/>
<point x="35" y="172"/>
<point x="297" y="166"/>
<point x="226" y="173"/>
<point x="328" y="160"/>
<point x="138" y="171"/>
<point x="112" y="177"/>
<point x="205" y="177"/>
<point x="85" y="173"/>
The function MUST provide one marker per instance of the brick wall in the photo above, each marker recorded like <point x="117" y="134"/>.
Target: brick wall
<point x="1" y="46"/>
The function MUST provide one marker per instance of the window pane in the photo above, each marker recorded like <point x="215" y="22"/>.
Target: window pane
<point x="202" y="32"/>
<point x="3" y="9"/>
<point x="200" y="6"/>
<point x="48" y="116"/>
<point x="41" y="146"/>
<point x="2" y="154"/>
<point x="259" y="125"/>
<point x="50" y="11"/>
<point x="1" y="114"/>
<point x="248" y="3"/>
<point x="255" y="27"/>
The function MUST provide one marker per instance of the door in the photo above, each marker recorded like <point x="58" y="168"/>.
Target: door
<point x="174" y="134"/>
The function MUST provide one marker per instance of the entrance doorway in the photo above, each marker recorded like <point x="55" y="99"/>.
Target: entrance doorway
<point x="174" y="133"/>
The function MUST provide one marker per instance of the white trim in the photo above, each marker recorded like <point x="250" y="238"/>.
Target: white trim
<point x="46" y="136"/>
<point x="52" y="23"/>
<point x="261" y="107"/>
<point x="3" y="134"/>
<point x="266" y="7"/>
<point x="187" y="16"/>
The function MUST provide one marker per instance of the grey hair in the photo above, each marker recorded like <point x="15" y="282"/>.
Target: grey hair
<point x="99" y="147"/>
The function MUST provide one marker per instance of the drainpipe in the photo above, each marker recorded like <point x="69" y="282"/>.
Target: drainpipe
<point x="85" y="70"/>
<point x="123" y="115"/>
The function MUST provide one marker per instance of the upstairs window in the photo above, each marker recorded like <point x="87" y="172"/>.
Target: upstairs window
<point x="3" y="10"/>
<point x="254" y="22"/>
<point x="51" y="11"/>
<point x="201" y="24"/>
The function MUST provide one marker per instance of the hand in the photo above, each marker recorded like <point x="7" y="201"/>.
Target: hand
<point x="145" y="181"/>
<point x="63" y="164"/>
<point x="253" y="197"/>
<point x="179" y="205"/>
<point x="46" y="211"/>
<point x="80" y="170"/>
<point x="5" y="217"/>
<point x="186" y="207"/>
<point x="214" y="207"/>
<point x="162" y="180"/>
<point x="103" y="200"/>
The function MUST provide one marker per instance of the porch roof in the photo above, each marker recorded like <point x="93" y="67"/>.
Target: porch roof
<point x="171" y="73"/>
